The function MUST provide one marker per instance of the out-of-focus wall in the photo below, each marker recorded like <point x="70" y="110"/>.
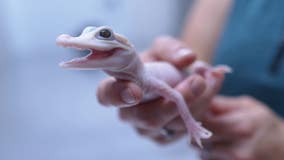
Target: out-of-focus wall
<point x="3" y="58"/>
<point x="3" y="37"/>
<point x="33" y="25"/>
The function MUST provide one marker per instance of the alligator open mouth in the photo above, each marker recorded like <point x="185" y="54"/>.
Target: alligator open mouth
<point x="94" y="53"/>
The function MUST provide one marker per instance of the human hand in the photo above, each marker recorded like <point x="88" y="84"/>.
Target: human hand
<point x="244" y="129"/>
<point x="150" y="117"/>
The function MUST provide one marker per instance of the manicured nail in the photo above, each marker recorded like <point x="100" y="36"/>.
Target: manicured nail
<point x="224" y="69"/>
<point x="182" y="53"/>
<point x="128" y="96"/>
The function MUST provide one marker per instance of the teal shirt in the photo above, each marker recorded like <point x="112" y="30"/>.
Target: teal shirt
<point x="253" y="45"/>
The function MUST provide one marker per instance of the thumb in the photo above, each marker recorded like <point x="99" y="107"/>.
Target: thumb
<point x="118" y="93"/>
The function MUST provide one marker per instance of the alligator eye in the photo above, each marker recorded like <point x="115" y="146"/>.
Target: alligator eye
<point x="105" y="33"/>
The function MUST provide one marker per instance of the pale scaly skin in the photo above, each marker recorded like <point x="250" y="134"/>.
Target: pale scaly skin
<point x="113" y="54"/>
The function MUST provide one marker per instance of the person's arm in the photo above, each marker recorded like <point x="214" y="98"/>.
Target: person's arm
<point x="204" y="25"/>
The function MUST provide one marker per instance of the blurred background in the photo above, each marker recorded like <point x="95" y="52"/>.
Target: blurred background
<point x="47" y="113"/>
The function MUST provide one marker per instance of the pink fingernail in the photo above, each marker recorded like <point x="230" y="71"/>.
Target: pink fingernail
<point x="128" y="97"/>
<point x="182" y="53"/>
<point x="224" y="68"/>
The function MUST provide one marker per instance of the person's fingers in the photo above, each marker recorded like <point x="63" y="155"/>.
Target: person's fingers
<point x="148" y="56"/>
<point x="163" y="140"/>
<point x="196" y="103"/>
<point x="199" y="67"/>
<point x="208" y="144"/>
<point x="221" y="105"/>
<point x="232" y="126"/>
<point x="159" y="138"/>
<point x="170" y="50"/>
<point x="223" y="69"/>
<point x="220" y="154"/>
<point x="213" y="83"/>
<point x="214" y="80"/>
<point x="157" y="113"/>
<point x="118" y="93"/>
<point x="176" y="125"/>
<point x="219" y="149"/>
<point x="192" y="88"/>
<point x="233" y="151"/>
<point x="152" y="115"/>
<point x="214" y="77"/>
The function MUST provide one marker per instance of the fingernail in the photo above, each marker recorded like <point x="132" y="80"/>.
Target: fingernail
<point x="224" y="69"/>
<point x="128" y="96"/>
<point x="182" y="53"/>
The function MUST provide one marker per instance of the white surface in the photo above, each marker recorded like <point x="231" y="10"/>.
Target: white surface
<point x="52" y="114"/>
